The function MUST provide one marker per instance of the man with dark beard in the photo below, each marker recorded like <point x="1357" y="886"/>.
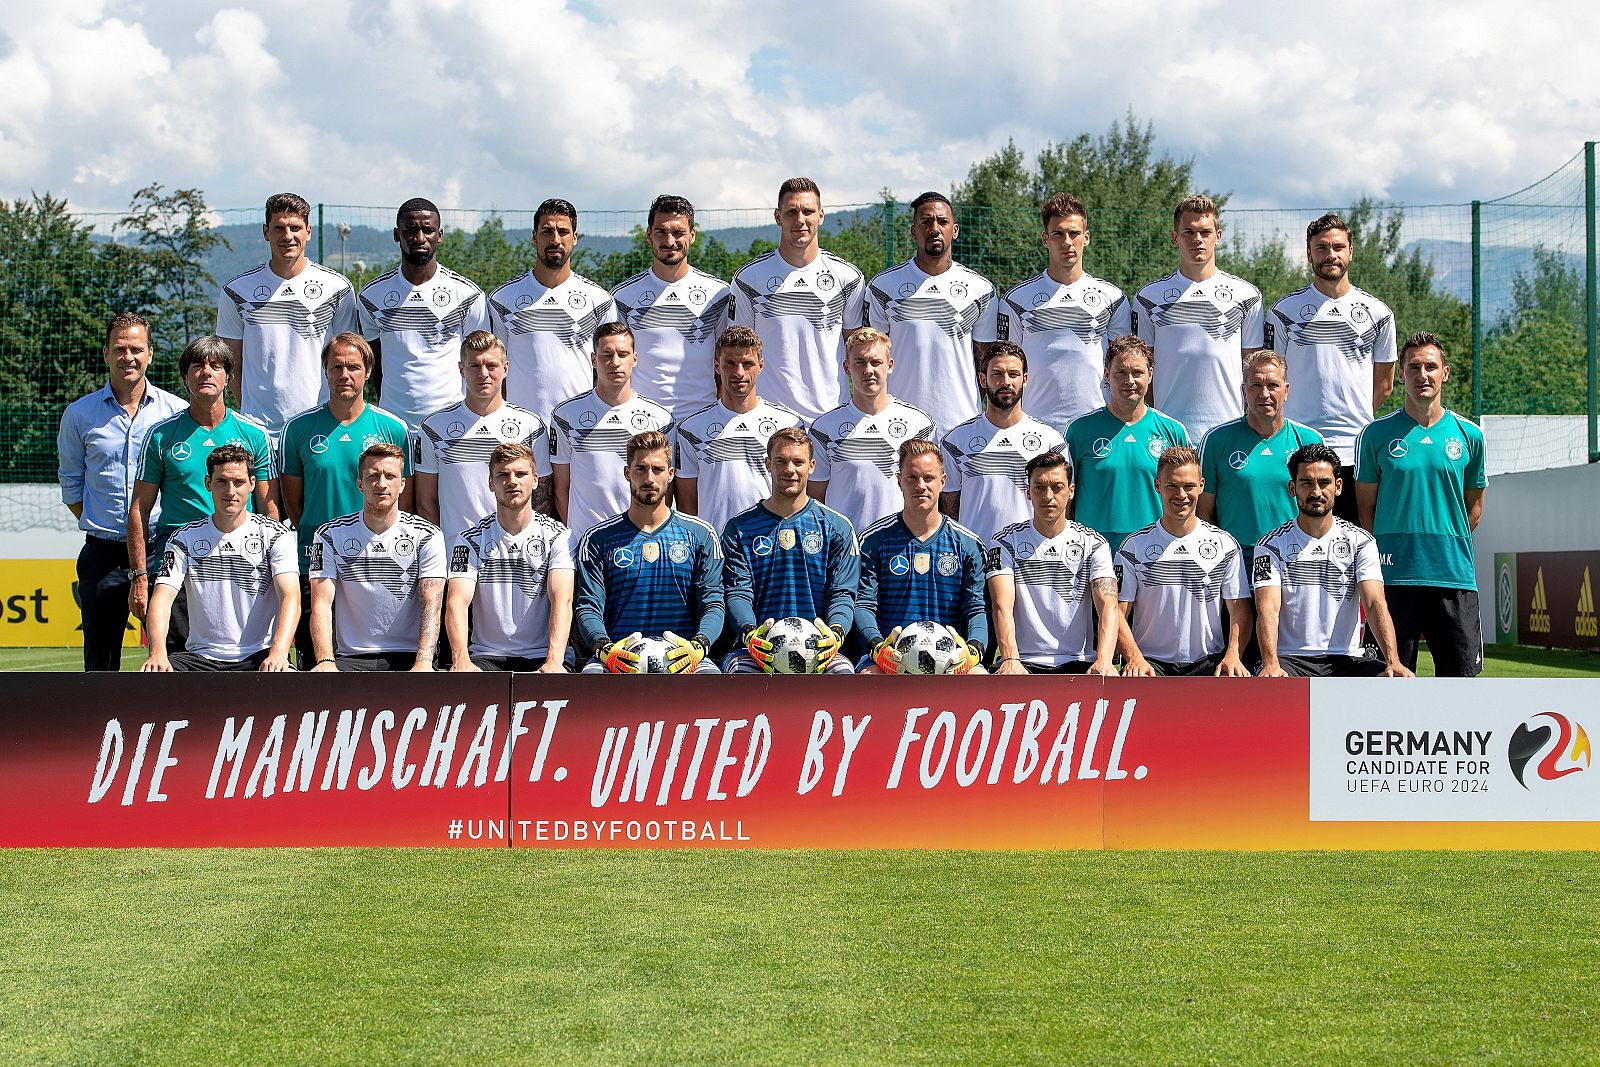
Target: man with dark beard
<point x="986" y="458"/>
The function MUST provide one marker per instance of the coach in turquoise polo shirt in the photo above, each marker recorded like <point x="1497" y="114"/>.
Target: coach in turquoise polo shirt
<point x="1245" y="463"/>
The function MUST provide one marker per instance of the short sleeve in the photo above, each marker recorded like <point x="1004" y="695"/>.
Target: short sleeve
<point x="263" y="463"/>
<point x="463" y="559"/>
<point x="345" y="319"/>
<point x="1264" y="569"/>
<point x="1100" y="559"/>
<point x="686" y="458"/>
<point x="426" y="457"/>
<point x="1007" y="326"/>
<point x="1127" y="577"/>
<point x="477" y="317"/>
<point x="174" y="564"/>
<point x="430" y="555"/>
<point x="230" y="324"/>
<point x="560" y="557"/>
<point x="1234" y="583"/>
<point x="1251" y="332"/>
<point x="151" y="466"/>
<point x="536" y="443"/>
<point x="323" y="563"/>
<point x="1369" y="565"/>
<point x="984" y="331"/>
<point x="1121" y="318"/>
<point x="285" y="557"/>
<point x="952" y="468"/>
<point x="819" y="453"/>
<point x="294" y="465"/>
<point x="855" y="305"/>
<point x="1367" y="456"/>
<point x="1474" y="473"/>
<point x="997" y="558"/>
<point x="560" y="450"/>
<point x="1383" y="343"/>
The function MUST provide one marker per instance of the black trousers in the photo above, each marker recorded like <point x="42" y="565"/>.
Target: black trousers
<point x="103" y="601"/>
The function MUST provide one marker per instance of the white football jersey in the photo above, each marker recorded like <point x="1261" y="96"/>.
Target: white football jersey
<point x="1054" y="576"/>
<point x="1064" y="329"/>
<point x="1199" y="331"/>
<point x="858" y="456"/>
<point x="591" y="438"/>
<point x="283" y="324"/>
<point x="987" y="465"/>
<point x="548" y="334"/>
<point x="675" y="329"/>
<point x="375" y="604"/>
<point x="456" y="443"/>
<point x="510" y="572"/>
<point x="421" y="328"/>
<point x="1177" y="586"/>
<point x="1319" y="580"/>
<point x="232" y="601"/>
<point x="727" y="452"/>
<point x="932" y="321"/>
<point x="802" y="314"/>
<point x="1330" y="347"/>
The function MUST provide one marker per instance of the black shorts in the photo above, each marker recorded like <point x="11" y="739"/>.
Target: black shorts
<point x="193" y="661"/>
<point x="519" y="664"/>
<point x="1344" y="505"/>
<point x="377" y="661"/>
<point x="1200" y="668"/>
<point x="1332" y="666"/>
<point x="1445" y="618"/>
<point x="1073" y="667"/>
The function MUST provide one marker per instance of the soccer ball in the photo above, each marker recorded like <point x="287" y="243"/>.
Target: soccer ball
<point x="794" y="646"/>
<point x="652" y="653"/>
<point x="927" y="648"/>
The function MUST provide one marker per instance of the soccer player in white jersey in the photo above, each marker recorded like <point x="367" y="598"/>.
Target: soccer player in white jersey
<point x="676" y="312"/>
<point x="415" y="317"/>
<point x="721" y="450"/>
<point x="378" y="576"/>
<point x="1199" y="320"/>
<point x="452" y="452"/>
<point x="858" y="442"/>
<point x="1340" y="345"/>
<point x="547" y="316"/>
<point x="1063" y="319"/>
<point x="1314" y="577"/>
<point x="803" y="301"/>
<point x="589" y="434"/>
<point x="1051" y="584"/>
<point x="940" y="315"/>
<point x="242" y="579"/>
<point x="986" y="457"/>
<point x="277" y="318"/>
<point x="513" y="573"/>
<point x="1174" y="578"/>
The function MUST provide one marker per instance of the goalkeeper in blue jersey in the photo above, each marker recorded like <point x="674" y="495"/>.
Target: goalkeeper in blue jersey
<point x="652" y="571"/>
<point x="789" y="557"/>
<point x="918" y="566"/>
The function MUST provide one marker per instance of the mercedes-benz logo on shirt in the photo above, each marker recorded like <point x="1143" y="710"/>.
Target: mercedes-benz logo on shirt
<point x="1238" y="460"/>
<point x="181" y="450"/>
<point x="907" y="289"/>
<point x="622" y="557"/>
<point x="899" y="565"/>
<point x="762" y="546"/>
<point x="392" y="300"/>
<point x="263" y="292"/>
<point x="319" y="444"/>
<point x="1102" y="447"/>
<point x="1397" y="449"/>
<point x="202" y="546"/>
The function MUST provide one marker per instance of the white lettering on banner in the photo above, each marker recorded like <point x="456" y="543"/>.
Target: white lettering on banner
<point x="850" y="733"/>
<point x="645" y="749"/>
<point x="110" y="762"/>
<point x="1471" y="750"/>
<point x="940" y="743"/>
<point x="678" y="831"/>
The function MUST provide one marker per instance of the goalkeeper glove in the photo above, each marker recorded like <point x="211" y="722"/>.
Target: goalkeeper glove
<point x="972" y="655"/>
<point x="616" y="658"/>
<point x="760" y="649"/>
<point x="829" y="641"/>
<point x="684" y="656"/>
<point x="886" y="656"/>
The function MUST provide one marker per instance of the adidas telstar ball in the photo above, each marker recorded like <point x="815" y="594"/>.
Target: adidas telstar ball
<point x="794" y="646"/>
<point x="652" y="653"/>
<point x="927" y="648"/>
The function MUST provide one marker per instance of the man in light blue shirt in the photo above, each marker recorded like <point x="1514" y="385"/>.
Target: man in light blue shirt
<point x="100" y="439"/>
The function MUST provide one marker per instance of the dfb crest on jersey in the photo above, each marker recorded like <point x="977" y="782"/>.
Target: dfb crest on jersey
<point x="441" y="296"/>
<point x="640" y="421"/>
<point x="949" y="563"/>
<point x="1454" y="448"/>
<point x="508" y="428"/>
<point x="458" y="559"/>
<point x="921" y="562"/>
<point x="1208" y="550"/>
<point x="1092" y="298"/>
<point x="958" y="290"/>
<point x="767" y="427"/>
<point x="1032" y="442"/>
<point x="898" y="427"/>
<point x="313" y="290"/>
<point x="786" y="539"/>
<point x="1341" y="549"/>
<point x="826" y="281"/>
<point x="253" y="544"/>
<point x="812" y="542"/>
<point x="576" y="300"/>
<point x="1157" y="446"/>
<point x="405" y="546"/>
<point x="651" y="551"/>
<point x="697" y="295"/>
<point x="1359" y="313"/>
<point x="678" y="552"/>
<point x="1223" y="293"/>
<point x="1074" y="552"/>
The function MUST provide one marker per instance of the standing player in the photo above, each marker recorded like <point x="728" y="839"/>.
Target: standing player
<point x="722" y="449"/>
<point x="1063" y="319"/>
<point x="987" y="456"/>
<point x="589" y="434"/>
<point x="546" y="317"/>
<point x="238" y="572"/>
<point x="918" y="566"/>
<point x="802" y="301"/>
<point x="1198" y="320"/>
<point x="513" y="573"/>
<point x="101" y="435"/>
<point x="452" y="451"/>
<point x="939" y="314"/>
<point x="1340" y="341"/>
<point x="789" y="557"/>
<point x="383" y="569"/>
<point x="1175" y="575"/>
<point x="1242" y="461"/>
<point x="1114" y="450"/>
<point x="650" y="570"/>
<point x="857" y="441"/>
<point x="1420" y="483"/>
<point x="416" y="315"/>
<point x="1314" y="577"/>
<point x="277" y="318"/>
<point x="1052" y="585"/>
<point x="676" y="312"/>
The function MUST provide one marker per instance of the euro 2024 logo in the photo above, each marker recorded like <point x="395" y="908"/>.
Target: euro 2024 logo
<point x="1553" y="744"/>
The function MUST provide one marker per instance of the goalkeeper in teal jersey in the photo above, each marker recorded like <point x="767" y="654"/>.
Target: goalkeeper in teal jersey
<point x="1114" y="450"/>
<point x="789" y="557"/>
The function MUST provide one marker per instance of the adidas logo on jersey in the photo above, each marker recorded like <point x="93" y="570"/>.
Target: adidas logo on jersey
<point x="672" y="295"/>
<point x="1180" y="551"/>
<point x="416" y="297"/>
<point x="344" y="437"/>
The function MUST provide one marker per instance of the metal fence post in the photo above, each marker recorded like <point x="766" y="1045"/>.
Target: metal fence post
<point x="888" y="232"/>
<point x="1477" y="314"/>
<point x="320" y="256"/>
<point x="1591" y="300"/>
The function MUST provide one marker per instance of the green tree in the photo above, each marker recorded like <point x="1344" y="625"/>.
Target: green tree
<point x="1534" y="353"/>
<point x="488" y="256"/>
<point x="175" y="233"/>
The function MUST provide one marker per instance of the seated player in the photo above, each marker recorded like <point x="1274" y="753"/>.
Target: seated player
<point x="1314" y="577"/>
<point x="385" y="570"/>
<point x="1175" y="576"/>
<point x="1052" y="585"/>
<point x="918" y="566"/>
<point x="514" y="572"/>
<point x="241" y="575"/>
<point x="789" y="557"/>
<point x="650" y="571"/>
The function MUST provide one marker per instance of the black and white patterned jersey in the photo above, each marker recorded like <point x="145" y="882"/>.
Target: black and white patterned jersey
<point x="510" y="575"/>
<point x="1330" y="347"/>
<point x="376" y="607"/>
<point x="1199" y="331"/>
<point x="987" y="465"/>
<point x="726" y="451"/>
<point x="232" y="600"/>
<point x="1064" y="329"/>
<point x="591" y="438"/>
<point x="456" y="443"/>
<point x="1177" y="586"/>
<point x="549" y="335"/>
<point x="675" y="329"/>
<point x="1319" y="581"/>
<point x="1054" y="579"/>
<point x="421" y="328"/>
<point x="858" y="454"/>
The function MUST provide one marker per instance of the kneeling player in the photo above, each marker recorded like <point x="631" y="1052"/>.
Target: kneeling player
<point x="651" y="570"/>
<point x="918" y="566"/>
<point x="1049" y="581"/>
<point x="513" y="571"/>
<point x="789" y="557"/>
<point x="242" y="578"/>
<point x="1310" y="575"/>
<point x="1175" y="576"/>
<point x="385" y="569"/>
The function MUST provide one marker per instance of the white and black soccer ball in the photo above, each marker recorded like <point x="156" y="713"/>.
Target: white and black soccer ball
<point x="652" y="653"/>
<point x="794" y="646"/>
<point x="927" y="648"/>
